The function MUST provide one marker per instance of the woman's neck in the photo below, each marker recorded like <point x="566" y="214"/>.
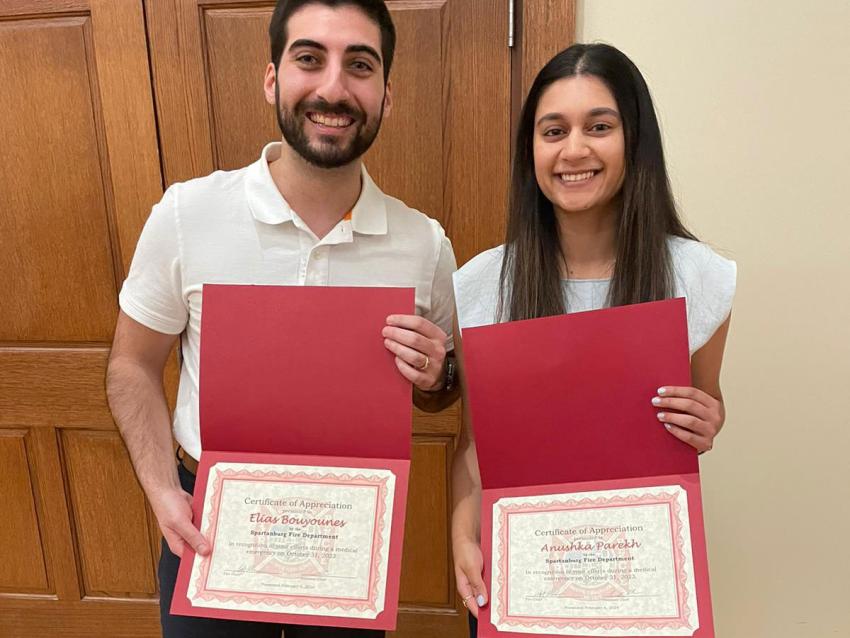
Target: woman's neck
<point x="588" y="243"/>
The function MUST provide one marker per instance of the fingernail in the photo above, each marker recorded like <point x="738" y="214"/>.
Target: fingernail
<point x="668" y="426"/>
<point x="656" y="400"/>
<point x="481" y="600"/>
<point x="662" y="390"/>
<point x="661" y="416"/>
<point x="203" y="549"/>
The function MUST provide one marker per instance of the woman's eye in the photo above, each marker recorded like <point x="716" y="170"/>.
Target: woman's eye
<point x="552" y="132"/>
<point x="600" y="127"/>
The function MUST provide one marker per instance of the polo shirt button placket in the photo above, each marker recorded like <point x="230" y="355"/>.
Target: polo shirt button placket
<point x="306" y="246"/>
<point x="302" y="271"/>
<point x="318" y="266"/>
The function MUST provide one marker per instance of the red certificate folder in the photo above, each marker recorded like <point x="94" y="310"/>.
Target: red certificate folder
<point x="562" y="405"/>
<point x="300" y="376"/>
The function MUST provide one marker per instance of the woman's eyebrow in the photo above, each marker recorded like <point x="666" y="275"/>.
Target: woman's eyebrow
<point x="603" y="110"/>
<point x="549" y="117"/>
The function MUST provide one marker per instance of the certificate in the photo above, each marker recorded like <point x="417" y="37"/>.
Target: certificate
<point x="301" y="488"/>
<point x="295" y="539"/>
<point x="603" y="563"/>
<point x="591" y="519"/>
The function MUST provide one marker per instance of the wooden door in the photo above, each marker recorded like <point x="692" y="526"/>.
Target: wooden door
<point x="80" y="167"/>
<point x="79" y="170"/>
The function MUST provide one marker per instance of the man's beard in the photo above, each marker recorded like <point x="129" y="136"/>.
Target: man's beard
<point x="331" y="151"/>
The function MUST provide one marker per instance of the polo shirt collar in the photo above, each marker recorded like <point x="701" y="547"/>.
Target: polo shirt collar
<point x="368" y="217"/>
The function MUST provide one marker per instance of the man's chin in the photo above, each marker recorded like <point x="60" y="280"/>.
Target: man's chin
<point x="324" y="159"/>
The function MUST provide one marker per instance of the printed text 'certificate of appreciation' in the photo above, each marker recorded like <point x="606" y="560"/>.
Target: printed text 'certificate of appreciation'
<point x="295" y="539"/>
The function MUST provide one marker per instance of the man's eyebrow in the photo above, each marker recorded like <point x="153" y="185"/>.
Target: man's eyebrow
<point x="364" y="48"/>
<point x="352" y="48"/>
<point x="312" y="44"/>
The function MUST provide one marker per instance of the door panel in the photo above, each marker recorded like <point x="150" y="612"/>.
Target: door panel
<point x="109" y="516"/>
<point x="26" y="567"/>
<point x="242" y="122"/>
<point x="51" y="139"/>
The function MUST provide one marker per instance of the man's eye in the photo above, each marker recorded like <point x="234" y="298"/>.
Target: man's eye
<point x="307" y="58"/>
<point x="359" y="65"/>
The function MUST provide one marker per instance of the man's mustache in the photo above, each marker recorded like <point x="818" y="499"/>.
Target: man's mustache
<point x="326" y="108"/>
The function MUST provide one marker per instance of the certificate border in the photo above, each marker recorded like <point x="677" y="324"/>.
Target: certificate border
<point x="287" y="601"/>
<point x="690" y="482"/>
<point x="386" y="620"/>
<point x="566" y="503"/>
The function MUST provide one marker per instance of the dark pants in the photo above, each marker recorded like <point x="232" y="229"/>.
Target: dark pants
<point x="473" y="626"/>
<point x="192" y="627"/>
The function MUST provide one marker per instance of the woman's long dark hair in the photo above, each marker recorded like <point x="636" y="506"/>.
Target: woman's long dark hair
<point x="531" y="274"/>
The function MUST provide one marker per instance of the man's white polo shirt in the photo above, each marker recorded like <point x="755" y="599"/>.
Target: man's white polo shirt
<point x="235" y="227"/>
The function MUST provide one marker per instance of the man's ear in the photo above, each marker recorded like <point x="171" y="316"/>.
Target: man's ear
<point x="268" y="83"/>
<point x="388" y="99"/>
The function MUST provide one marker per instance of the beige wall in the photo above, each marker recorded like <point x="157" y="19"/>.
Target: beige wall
<point x="754" y="99"/>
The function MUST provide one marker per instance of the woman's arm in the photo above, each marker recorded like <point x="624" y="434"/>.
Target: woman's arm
<point x="466" y="507"/>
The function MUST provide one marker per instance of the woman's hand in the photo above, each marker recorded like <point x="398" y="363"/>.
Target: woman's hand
<point x="469" y="563"/>
<point x="698" y="417"/>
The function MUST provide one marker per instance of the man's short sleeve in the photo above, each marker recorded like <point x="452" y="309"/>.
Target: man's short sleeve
<point x="442" y="290"/>
<point x="152" y="294"/>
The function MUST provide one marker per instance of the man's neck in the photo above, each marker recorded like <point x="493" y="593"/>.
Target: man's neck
<point x="320" y="196"/>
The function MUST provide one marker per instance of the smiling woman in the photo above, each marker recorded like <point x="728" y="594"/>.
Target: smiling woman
<point x="592" y="224"/>
<point x="579" y="146"/>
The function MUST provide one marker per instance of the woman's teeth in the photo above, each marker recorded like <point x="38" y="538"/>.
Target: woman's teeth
<point x="577" y="177"/>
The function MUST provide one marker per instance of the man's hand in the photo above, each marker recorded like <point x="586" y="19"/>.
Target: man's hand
<point x="419" y="347"/>
<point x="173" y="510"/>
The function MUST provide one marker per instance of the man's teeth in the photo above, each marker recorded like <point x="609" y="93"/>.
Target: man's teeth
<point x="576" y="177"/>
<point x="325" y="120"/>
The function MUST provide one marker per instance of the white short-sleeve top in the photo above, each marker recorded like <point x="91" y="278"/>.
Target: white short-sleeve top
<point x="703" y="277"/>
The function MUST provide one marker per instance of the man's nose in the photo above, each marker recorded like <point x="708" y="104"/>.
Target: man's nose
<point x="334" y="85"/>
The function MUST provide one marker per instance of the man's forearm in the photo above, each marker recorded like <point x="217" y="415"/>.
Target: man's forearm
<point x="434" y="401"/>
<point x="447" y="393"/>
<point x="140" y="410"/>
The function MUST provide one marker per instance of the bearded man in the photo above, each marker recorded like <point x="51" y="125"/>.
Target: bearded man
<point x="305" y="213"/>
